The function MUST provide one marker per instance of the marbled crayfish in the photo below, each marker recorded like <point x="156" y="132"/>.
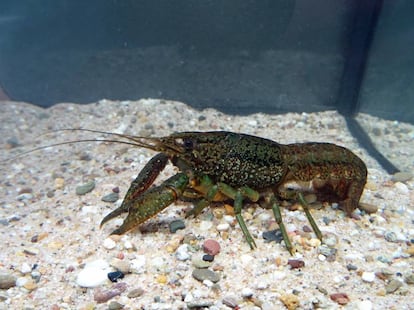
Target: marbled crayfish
<point x="222" y="166"/>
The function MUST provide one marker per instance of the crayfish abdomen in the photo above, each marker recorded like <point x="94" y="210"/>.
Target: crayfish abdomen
<point x="334" y="172"/>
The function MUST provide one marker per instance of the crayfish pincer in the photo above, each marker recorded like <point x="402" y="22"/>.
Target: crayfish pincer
<point x="235" y="168"/>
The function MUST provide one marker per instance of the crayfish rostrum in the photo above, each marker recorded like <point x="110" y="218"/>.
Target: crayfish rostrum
<point x="220" y="166"/>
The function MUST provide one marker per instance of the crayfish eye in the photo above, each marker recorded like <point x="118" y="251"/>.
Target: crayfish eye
<point x="186" y="143"/>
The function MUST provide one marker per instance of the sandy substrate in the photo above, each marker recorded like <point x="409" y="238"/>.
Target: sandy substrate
<point x="50" y="234"/>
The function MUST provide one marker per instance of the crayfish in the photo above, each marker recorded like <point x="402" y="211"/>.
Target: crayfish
<point x="220" y="166"/>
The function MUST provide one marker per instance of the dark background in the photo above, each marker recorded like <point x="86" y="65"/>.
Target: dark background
<point x="236" y="56"/>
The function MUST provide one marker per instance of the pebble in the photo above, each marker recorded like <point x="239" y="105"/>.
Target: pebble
<point x="12" y="142"/>
<point x="229" y="219"/>
<point x="176" y="225"/>
<point x="200" y="304"/>
<point x="351" y="267"/>
<point x="291" y="301"/>
<point x="7" y="280"/>
<point x="230" y="302"/>
<point x="206" y="225"/>
<point x="109" y="244"/>
<point x="31" y="251"/>
<point x="384" y="274"/>
<point x="182" y="253"/>
<point x="392" y="286"/>
<point x="367" y="207"/>
<point x="306" y="229"/>
<point x="296" y="263"/>
<point x="85" y="188"/>
<point x="162" y="279"/>
<point x="30" y="285"/>
<point x="24" y="196"/>
<point x="223" y="227"/>
<point x="128" y="245"/>
<point x="401" y="187"/>
<point x="114" y="305"/>
<point x="137" y="265"/>
<point x="205" y="274"/>
<point x="340" y="298"/>
<point x="25" y="268"/>
<point x="200" y="263"/>
<point x="330" y="240"/>
<point x="21" y="281"/>
<point x="273" y="235"/>
<point x="410" y="250"/>
<point x="365" y="305"/>
<point x="211" y="247"/>
<point x="247" y="292"/>
<point x="115" y="276"/>
<point x="409" y="279"/>
<point x="329" y="253"/>
<point x="59" y="183"/>
<point x="314" y="242"/>
<point x="136" y="292"/>
<point x="384" y="259"/>
<point x="368" y="276"/>
<point x="208" y="257"/>
<point x="391" y="236"/>
<point x="122" y="265"/>
<point x="321" y="257"/>
<point x="36" y="275"/>
<point x="402" y="177"/>
<point x="94" y="274"/>
<point x="101" y="296"/>
<point x="111" y="197"/>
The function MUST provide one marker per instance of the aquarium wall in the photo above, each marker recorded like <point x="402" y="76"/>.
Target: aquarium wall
<point x="235" y="56"/>
<point x="387" y="89"/>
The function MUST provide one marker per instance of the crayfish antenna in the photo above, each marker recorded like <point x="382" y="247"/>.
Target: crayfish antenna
<point x="136" y="141"/>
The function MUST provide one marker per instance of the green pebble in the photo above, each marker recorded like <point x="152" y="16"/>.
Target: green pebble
<point x="176" y="225"/>
<point x="392" y="286"/>
<point x="112" y="197"/>
<point x="113" y="305"/>
<point x="137" y="292"/>
<point x="199" y="263"/>
<point x="85" y="188"/>
<point x="205" y="274"/>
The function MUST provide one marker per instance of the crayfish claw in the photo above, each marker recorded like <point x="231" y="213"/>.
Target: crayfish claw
<point x="113" y="214"/>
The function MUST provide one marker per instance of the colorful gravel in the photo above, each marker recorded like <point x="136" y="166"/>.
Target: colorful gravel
<point x="53" y="255"/>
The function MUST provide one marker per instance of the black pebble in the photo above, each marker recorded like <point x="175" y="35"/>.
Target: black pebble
<point x="115" y="276"/>
<point x="208" y="258"/>
<point x="273" y="235"/>
<point x="351" y="267"/>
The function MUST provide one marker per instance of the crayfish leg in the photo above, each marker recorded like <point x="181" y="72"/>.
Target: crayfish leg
<point x="199" y="206"/>
<point x="238" y="203"/>
<point x="312" y="222"/>
<point x="278" y="217"/>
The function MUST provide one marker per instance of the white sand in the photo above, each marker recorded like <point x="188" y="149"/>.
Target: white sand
<point x="67" y="225"/>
